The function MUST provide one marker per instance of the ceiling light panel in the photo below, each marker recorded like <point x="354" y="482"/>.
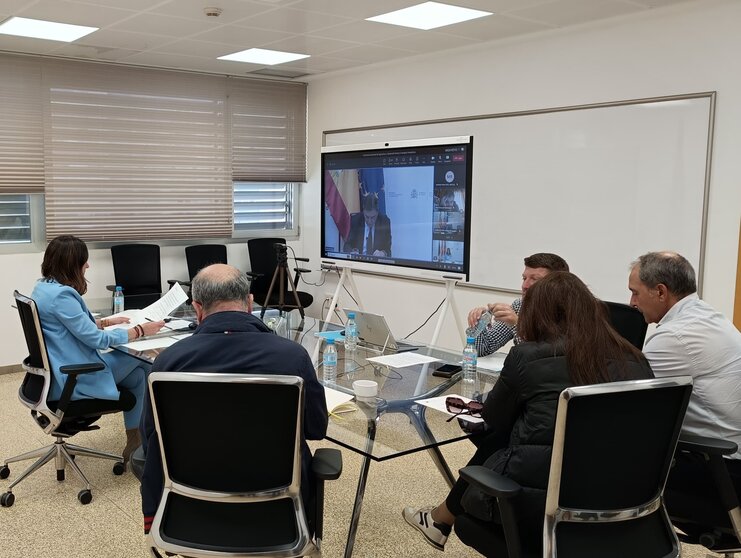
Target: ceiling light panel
<point x="429" y="15"/>
<point x="40" y="29"/>
<point x="263" y="56"/>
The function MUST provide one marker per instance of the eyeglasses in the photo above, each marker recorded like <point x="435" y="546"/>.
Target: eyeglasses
<point x="458" y="407"/>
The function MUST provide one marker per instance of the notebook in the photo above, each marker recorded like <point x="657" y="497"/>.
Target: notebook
<point x="373" y="331"/>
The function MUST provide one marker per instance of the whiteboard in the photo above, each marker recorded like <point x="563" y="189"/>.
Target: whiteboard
<point x="597" y="184"/>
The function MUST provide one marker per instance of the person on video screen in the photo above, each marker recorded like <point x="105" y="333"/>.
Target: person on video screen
<point x="370" y="231"/>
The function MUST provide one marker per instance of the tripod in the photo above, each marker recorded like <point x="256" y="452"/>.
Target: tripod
<point x="282" y="276"/>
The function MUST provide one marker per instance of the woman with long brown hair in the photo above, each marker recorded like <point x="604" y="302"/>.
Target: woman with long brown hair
<point x="73" y="335"/>
<point x="568" y="341"/>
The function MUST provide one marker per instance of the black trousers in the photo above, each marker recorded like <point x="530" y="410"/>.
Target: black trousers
<point x="691" y="497"/>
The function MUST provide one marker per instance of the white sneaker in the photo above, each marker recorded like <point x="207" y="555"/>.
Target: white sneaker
<point x="421" y="519"/>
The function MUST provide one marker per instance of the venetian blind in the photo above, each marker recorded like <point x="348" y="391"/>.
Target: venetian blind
<point x="21" y="126"/>
<point x="135" y="153"/>
<point x="268" y="130"/>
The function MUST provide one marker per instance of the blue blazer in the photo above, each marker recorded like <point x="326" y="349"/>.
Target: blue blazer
<point x="72" y="337"/>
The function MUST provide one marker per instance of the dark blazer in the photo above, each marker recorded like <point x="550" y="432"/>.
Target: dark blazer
<point x="521" y="412"/>
<point x="233" y="342"/>
<point x="381" y="234"/>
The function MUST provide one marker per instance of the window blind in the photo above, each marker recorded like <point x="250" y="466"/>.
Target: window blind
<point x="135" y="154"/>
<point x="268" y="130"/>
<point x="261" y="206"/>
<point x="21" y="126"/>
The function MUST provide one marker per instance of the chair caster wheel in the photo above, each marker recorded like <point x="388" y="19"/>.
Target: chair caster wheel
<point x="7" y="499"/>
<point x="119" y="468"/>
<point x="4" y="472"/>
<point x="60" y="475"/>
<point x="85" y="497"/>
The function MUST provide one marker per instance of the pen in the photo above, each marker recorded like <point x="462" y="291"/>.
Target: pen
<point x="165" y="320"/>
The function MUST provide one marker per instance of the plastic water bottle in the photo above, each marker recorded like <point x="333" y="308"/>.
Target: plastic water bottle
<point x="484" y="320"/>
<point x="329" y="366"/>
<point x="351" y="333"/>
<point x="118" y="300"/>
<point x="469" y="362"/>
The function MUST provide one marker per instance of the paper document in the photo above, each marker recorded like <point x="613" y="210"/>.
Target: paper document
<point x="154" y="312"/>
<point x="146" y="344"/>
<point x="493" y="362"/>
<point x="337" y="400"/>
<point x="400" y="360"/>
<point x="438" y="403"/>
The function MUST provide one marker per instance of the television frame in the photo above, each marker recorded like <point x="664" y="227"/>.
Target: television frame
<point x="402" y="269"/>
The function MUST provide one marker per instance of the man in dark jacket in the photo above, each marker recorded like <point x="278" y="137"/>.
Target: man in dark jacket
<point x="370" y="231"/>
<point x="229" y="339"/>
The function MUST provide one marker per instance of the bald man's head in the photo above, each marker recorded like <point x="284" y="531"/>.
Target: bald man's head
<point x="220" y="287"/>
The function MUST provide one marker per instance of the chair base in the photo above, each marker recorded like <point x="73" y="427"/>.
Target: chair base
<point x="63" y="454"/>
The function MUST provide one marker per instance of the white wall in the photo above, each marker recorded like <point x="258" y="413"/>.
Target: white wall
<point x="689" y="48"/>
<point x="693" y="47"/>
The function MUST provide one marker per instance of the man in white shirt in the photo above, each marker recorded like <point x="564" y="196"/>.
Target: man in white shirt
<point x="692" y="339"/>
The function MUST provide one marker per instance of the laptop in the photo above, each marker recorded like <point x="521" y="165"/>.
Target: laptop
<point x="374" y="332"/>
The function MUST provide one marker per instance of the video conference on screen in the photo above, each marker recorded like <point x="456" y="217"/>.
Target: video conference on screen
<point x="405" y="207"/>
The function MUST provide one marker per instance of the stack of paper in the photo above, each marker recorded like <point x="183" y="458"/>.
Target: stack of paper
<point x="156" y="311"/>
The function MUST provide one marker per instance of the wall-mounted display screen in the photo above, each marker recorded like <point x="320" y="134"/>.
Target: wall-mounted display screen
<point x="398" y="205"/>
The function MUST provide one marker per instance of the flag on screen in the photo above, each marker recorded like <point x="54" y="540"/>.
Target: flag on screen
<point x="342" y="195"/>
<point x="371" y="182"/>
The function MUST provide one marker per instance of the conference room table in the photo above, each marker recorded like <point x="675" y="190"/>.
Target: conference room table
<point x="390" y="425"/>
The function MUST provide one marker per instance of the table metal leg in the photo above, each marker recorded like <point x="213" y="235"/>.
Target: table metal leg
<point x="416" y="416"/>
<point x="360" y="492"/>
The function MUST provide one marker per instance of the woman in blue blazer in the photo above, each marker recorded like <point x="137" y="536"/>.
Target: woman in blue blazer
<point x="73" y="335"/>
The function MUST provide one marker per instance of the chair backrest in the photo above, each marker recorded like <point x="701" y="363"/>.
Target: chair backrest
<point x="136" y="268"/>
<point x="264" y="260"/>
<point x="249" y="426"/>
<point x="612" y="450"/>
<point x="36" y="383"/>
<point x="628" y="322"/>
<point x="199" y="256"/>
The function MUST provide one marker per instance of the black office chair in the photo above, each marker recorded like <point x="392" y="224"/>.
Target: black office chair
<point x="264" y="260"/>
<point x="247" y="501"/>
<point x="612" y="450"/>
<point x="136" y="268"/>
<point x="708" y="515"/>
<point x="62" y="418"/>
<point x="199" y="256"/>
<point x="628" y="322"/>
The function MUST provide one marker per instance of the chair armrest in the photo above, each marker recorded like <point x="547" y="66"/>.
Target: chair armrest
<point x="253" y="275"/>
<point x="301" y="270"/>
<point x="72" y="370"/>
<point x="708" y="446"/>
<point x="172" y="282"/>
<point x="490" y="482"/>
<point x="327" y="464"/>
<point x="84" y="368"/>
<point x="301" y="259"/>
<point x="111" y="288"/>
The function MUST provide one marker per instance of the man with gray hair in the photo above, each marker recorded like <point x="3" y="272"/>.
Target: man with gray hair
<point x="229" y="339"/>
<point x="691" y="339"/>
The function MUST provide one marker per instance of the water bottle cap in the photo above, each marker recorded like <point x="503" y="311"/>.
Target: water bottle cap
<point x="330" y="341"/>
<point x="119" y="288"/>
<point x="351" y="315"/>
<point x="470" y="340"/>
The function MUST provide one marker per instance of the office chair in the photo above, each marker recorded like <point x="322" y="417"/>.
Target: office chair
<point x="709" y="516"/>
<point x="628" y="322"/>
<point x="199" y="256"/>
<point x="61" y="419"/>
<point x="264" y="263"/>
<point x="247" y="501"/>
<point x="136" y="268"/>
<point x="612" y="450"/>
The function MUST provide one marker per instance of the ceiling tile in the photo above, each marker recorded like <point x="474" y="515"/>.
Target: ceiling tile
<point x="191" y="47"/>
<point x="74" y="50"/>
<point x="232" y="10"/>
<point x="372" y="53"/>
<point x="307" y="44"/>
<point x="427" y="41"/>
<point x="293" y="21"/>
<point x="27" y="44"/>
<point x="164" y="25"/>
<point x="493" y="27"/>
<point x="123" y="39"/>
<point x="241" y="37"/>
<point x="322" y="64"/>
<point x="135" y="5"/>
<point x="363" y="32"/>
<point x="354" y="9"/>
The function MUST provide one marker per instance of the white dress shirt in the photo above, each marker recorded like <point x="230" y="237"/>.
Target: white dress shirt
<point x="693" y="339"/>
